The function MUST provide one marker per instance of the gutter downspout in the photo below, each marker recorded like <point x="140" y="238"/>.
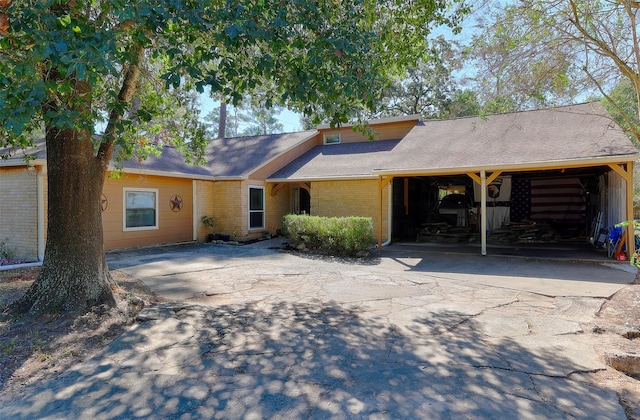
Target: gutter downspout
<point x="483" y="211"/>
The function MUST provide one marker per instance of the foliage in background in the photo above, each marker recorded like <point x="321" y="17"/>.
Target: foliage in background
<point x="333" y="235"/>
<point x="243" y="120"/>
<point x="517" y="61"/>
<point x="536" y="53"/>
<point x="428" y="88"/>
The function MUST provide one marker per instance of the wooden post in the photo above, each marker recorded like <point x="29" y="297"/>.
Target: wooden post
<point x="631" y="238"/>
<point x="625" y="170"/>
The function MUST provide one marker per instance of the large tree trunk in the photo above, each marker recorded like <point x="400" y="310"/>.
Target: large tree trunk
<point x="74" y="275"/>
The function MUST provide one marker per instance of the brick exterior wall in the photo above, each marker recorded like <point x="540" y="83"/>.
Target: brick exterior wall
<point x="351" y="198"/>
<point x="277" y="206"/>
<point x="229" y="206"/>
<point x="19" y="212"/>
<point x="204" y="207"/>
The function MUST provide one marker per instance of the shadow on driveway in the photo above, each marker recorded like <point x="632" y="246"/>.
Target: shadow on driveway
<point x="293" y="360"/>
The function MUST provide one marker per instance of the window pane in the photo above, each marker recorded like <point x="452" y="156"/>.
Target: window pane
<point x="256" y="200"/>
<point x="255" y="220"/>
<point x="140" y="209"/>
<point x="332" y="138"/>
<point x="141" y="199"/>
<point x="141" y="217"/>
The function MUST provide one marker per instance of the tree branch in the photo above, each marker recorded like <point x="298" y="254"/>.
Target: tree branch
<point x="128" y="89"/>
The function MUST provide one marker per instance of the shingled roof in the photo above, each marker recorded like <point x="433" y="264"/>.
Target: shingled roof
<point x="233" y="157"/>
<point x="226" y="158"/>
<point x="564" y="135"/>
<point x="347" y="160"/>
<point x="569" y="135"/>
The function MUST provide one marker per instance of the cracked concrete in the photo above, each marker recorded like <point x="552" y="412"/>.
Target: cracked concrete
<point x="251" y="332"/>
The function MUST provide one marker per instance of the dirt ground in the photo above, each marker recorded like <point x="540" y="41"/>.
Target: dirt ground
<point x="36" y="350"/>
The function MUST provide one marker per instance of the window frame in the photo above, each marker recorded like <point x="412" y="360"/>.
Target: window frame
<point x="251" y="211"/>
<point x="125" y="191"/>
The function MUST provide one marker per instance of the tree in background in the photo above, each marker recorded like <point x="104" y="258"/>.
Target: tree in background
<point x="243" y="121"/>
<point x="518" y="63"/>
<point x="79" y="67"/>
<point x="547" y="52"/>
<point x="260" y="120"/>
<point x="214" y="125"/>
<point x="427" y="88"/>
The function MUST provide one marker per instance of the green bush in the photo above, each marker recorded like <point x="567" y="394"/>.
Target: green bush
<point x="333" y="235"/>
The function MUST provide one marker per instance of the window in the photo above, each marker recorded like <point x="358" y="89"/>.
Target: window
<point x="332" y="138"/>
<point x="256" y="208"/>
<point x="140" y="209"/>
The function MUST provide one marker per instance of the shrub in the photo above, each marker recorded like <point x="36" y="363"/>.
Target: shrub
<point x="334" y="235"/>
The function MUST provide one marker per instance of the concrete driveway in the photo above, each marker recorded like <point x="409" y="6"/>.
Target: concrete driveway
<point x="252" y="332"/>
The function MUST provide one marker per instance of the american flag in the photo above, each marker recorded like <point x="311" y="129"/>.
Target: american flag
<point x="560" y="199"/>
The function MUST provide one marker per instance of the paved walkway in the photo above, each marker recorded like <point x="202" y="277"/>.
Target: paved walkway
<point x="258" y="333"/>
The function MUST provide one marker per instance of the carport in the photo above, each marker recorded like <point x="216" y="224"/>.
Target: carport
<point x="573" y="164"/>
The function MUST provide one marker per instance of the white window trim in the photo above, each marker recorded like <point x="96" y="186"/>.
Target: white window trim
<point x="264" y="207"/>
<point x="324" y="138"/>
<point x="124" y="209"/>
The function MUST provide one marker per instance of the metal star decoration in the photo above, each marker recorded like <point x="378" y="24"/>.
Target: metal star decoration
<point x="175" y="203"/>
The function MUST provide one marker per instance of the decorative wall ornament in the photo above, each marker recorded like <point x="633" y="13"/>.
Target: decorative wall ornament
<point x="104" y="203"/>
<point x="175" y="203"/>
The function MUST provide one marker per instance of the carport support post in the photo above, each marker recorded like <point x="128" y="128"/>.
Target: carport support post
<point x="625" y="170"/>
<point x="483" y="211"/>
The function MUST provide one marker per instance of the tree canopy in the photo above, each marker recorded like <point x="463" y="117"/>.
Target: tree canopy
<point x="427" y="88"/>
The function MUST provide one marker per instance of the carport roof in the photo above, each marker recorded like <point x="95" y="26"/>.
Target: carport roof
<point x="569" y="135"/>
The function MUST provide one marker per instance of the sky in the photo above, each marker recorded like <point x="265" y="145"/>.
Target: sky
<point x="290" y="120"/>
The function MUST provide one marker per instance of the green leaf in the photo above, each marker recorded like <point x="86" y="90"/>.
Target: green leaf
<point x="64" y="20"/>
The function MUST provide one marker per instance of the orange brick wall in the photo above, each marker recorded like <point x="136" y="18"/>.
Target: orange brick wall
<point x="277" y="206"/>
<point x="19" y="212"/>
<point x="350" y="198"/>
<point x="204" y="207"/>
<point x="230" y="208"/>
<point x="228" y="202"/>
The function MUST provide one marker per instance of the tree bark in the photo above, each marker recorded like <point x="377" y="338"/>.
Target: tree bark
<point x="74" y="275"/>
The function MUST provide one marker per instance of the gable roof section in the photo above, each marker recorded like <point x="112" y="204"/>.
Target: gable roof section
<point x="569" y="135"/>
<point x="337" y="161"/>
<point x="227" y="158"/>
<point x="233" y="157"/>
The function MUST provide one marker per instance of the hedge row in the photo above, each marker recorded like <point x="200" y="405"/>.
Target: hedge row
<point x="333" y="235"/>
